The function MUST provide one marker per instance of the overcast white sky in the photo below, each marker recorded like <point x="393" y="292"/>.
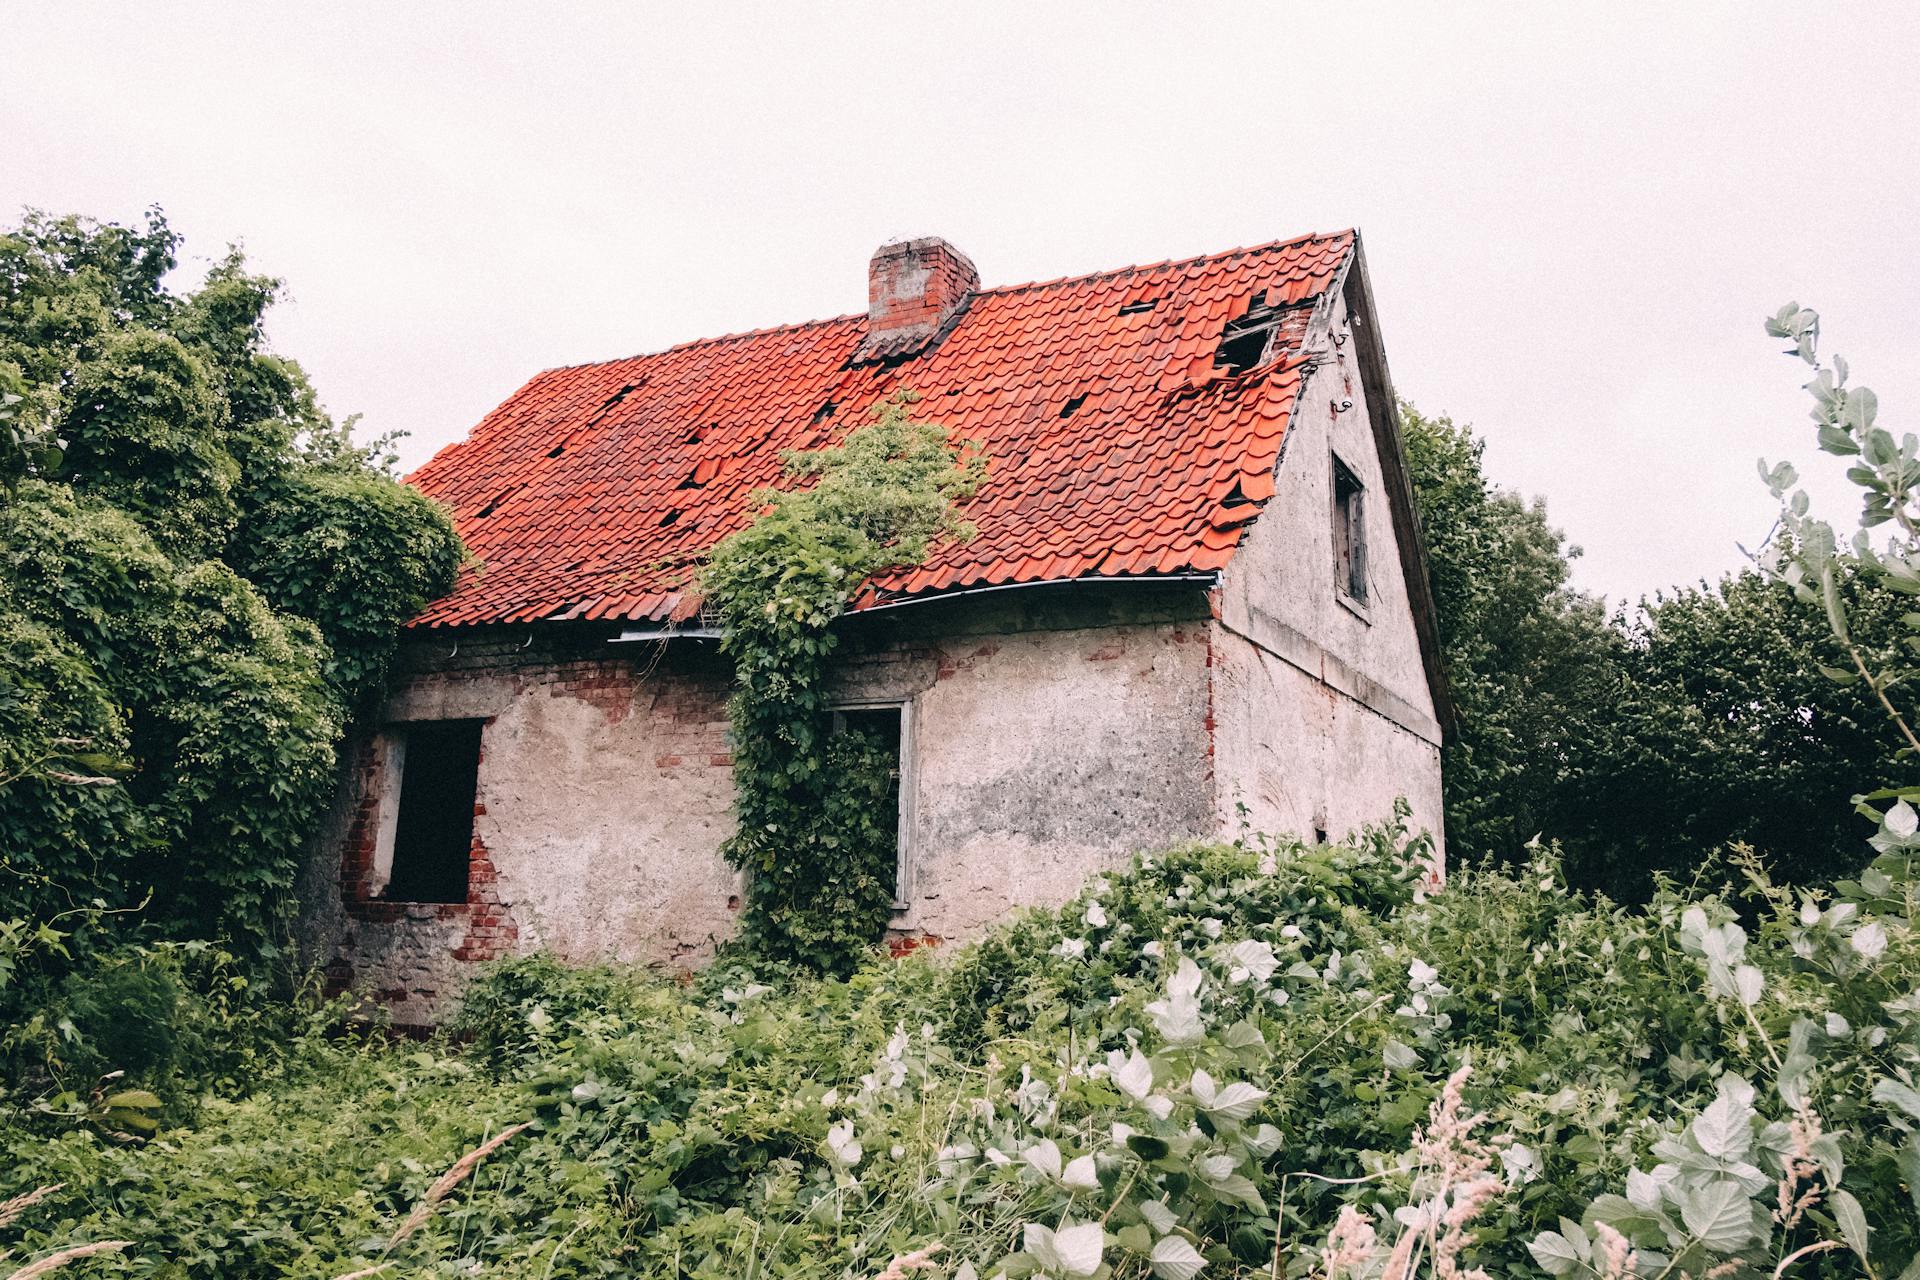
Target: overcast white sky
<point x="1575" y="217"/>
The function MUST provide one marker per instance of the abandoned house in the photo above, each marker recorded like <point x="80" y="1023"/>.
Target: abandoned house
<point x="1197" y="604"/>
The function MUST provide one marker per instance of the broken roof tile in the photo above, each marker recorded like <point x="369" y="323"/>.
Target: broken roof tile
<point x="578" y="471"/>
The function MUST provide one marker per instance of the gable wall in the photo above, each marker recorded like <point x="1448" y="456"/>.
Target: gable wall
<point x="1051" y="739"/>
<point x="1323" y="715"/>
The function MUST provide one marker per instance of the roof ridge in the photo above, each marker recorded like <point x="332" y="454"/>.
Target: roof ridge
<point x="1219" y="255"/>
<point x="1021" y="287"/>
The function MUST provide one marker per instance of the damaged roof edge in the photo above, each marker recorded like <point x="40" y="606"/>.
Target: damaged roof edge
<point x="1383" y="410"/>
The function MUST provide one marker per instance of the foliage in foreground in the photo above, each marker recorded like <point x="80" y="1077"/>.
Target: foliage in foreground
<point x="1226" y="1061"/>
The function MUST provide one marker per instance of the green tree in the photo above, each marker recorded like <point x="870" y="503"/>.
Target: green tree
<point x="1724" y="730"/>
<point x="199" y="579"/>
<point x="1647" y="739"/>
<point x="1532" y="662"/>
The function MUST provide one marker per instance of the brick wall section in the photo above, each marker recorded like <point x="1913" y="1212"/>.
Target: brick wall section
<point x="1054" y="734"/>
<point x="413" y="956"/>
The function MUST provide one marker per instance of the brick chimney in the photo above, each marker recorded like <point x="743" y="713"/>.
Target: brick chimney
<point x="914" y="287"/>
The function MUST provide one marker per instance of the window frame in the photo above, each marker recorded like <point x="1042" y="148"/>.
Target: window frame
<point x="905" y="792"/>
<point x="1348" y="513"/>
<point x="395" y="737"/>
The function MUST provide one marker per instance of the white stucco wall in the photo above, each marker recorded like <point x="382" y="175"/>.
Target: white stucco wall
<point x="1323" y="712"/>
<point x="1049" y="741"/>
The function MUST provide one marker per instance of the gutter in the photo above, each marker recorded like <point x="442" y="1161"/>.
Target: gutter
<point x="1211" y="579"/>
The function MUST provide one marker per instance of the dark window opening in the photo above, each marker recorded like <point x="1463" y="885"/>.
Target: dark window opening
<point x="883" y="729"/>
<point x="1066" y="410"/>
<point x="1247" y="338"/>
<point x="1349" y="533"/>
<point x="433" y="835"/>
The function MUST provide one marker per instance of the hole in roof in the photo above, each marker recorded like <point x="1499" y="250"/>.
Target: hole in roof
<point x="487" y="510"/>
<point x="694" y="436"/>
<point x="692" y="482"/>
<point x="1066" y="410"/>
<point x="1136" y="308"/>
<point x="1248" y="337"/>
<point x="556" y="451"/>
<point x="670" y="517"/>
<point x="1236" y="497"/>
<point x="825" y="411"/>
<point x="953" y="391"/>
<point x="622" y="394"/>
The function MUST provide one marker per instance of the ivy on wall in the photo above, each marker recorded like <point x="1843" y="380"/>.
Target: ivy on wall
<point x="809" y="800"/>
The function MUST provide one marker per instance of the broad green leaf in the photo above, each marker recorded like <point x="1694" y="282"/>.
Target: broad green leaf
<point x="1158" y="1216"/>
<point x="1554" y="1253"/>
<point x="140" y="1099"/>
<point x="1132" y="1075"/>
<point x="1830" y="597"/>
<point x="1719" y="1215"/>
<point x="1174" y="1259"/>
<point x="1852" y="1222"/>
<point x="1894" y="1094"/>
<point x="1044" y="1155"/>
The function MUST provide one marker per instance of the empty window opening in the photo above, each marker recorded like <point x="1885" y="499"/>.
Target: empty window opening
<point x="1066" y="410"/>
<point x="1247" y="339"/>
<point x="433" y="832"/>
<point x="884" y="731"/>
<point x="1349" y="533"/>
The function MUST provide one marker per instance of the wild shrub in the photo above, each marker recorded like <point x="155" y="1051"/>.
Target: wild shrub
<point x="201" y="582"/>
<point x="1240" y="1051"/>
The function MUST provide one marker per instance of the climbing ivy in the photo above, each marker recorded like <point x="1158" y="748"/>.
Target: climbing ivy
<point x="808" y="800"/>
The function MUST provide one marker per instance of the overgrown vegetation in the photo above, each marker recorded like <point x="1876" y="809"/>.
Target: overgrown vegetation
<point x="1260" y="1059"/>
<point x="1204" y="1064"/>
<point x="201" y="582"/>
<point x="1645" y="740"/>
<point x="809" y="801"/>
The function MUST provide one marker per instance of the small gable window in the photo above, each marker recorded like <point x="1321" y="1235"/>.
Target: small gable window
<point x="437" y="765"/>
<point x="1349" y="534"/>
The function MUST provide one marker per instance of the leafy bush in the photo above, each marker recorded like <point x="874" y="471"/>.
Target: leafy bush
<point x="201" y="581"/>
<point x="1214" y="1060"/>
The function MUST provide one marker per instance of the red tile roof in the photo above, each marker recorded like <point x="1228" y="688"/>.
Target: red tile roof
<point x="1116" y="445"/>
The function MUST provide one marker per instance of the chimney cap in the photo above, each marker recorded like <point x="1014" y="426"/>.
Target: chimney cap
<point x="915" y="290"/>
